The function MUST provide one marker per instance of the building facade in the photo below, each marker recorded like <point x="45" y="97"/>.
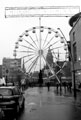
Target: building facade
<point x="0" y="71"/>
<point x="10" y="69"/>
<point x="75" y="38"/>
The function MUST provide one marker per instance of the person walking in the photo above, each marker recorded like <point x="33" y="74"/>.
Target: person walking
<point x="48" y="85"/>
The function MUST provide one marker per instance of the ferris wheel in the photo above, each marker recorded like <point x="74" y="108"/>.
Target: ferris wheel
<point x="41" y="47"/>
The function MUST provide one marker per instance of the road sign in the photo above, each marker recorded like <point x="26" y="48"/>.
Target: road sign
<point x="42" y="11"/>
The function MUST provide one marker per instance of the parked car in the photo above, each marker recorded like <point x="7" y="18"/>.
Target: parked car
<point x="11" y="100"/>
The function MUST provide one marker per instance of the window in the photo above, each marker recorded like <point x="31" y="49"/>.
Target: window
<point x="74" y="52"/>
<point x="73" y="36"/>
<point x="16" y="91"/>
<point x="5" y="92"/>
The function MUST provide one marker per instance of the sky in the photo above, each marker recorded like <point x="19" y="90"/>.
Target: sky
<point x="12" y="28"/>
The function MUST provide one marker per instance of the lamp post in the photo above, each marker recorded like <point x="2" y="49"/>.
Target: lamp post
<point x="73" y="69"/>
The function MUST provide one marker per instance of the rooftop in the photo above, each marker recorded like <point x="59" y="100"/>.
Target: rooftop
<point x="74" y="18"/>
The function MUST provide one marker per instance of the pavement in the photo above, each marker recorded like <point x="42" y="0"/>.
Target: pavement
<point x="41" y="104"/>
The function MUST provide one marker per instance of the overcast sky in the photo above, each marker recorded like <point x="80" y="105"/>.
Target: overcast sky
<point x="12" y="28"/>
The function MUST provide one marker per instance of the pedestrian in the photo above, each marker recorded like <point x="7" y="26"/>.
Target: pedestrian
<point x="57" y="85"/>
<point x="64" y="84"/>
<point x="70" y="85"/>
<point x="48" y="85"/>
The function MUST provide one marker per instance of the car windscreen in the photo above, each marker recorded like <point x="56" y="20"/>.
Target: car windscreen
<point x="5" y="91"/>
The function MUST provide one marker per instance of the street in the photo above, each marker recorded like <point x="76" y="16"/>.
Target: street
<point x="41" y="104"/>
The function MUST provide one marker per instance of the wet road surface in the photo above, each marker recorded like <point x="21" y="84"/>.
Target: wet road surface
<point x="41" y="104"/>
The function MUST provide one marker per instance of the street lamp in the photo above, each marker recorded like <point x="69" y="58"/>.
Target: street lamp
<point x="71" y="60"/>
